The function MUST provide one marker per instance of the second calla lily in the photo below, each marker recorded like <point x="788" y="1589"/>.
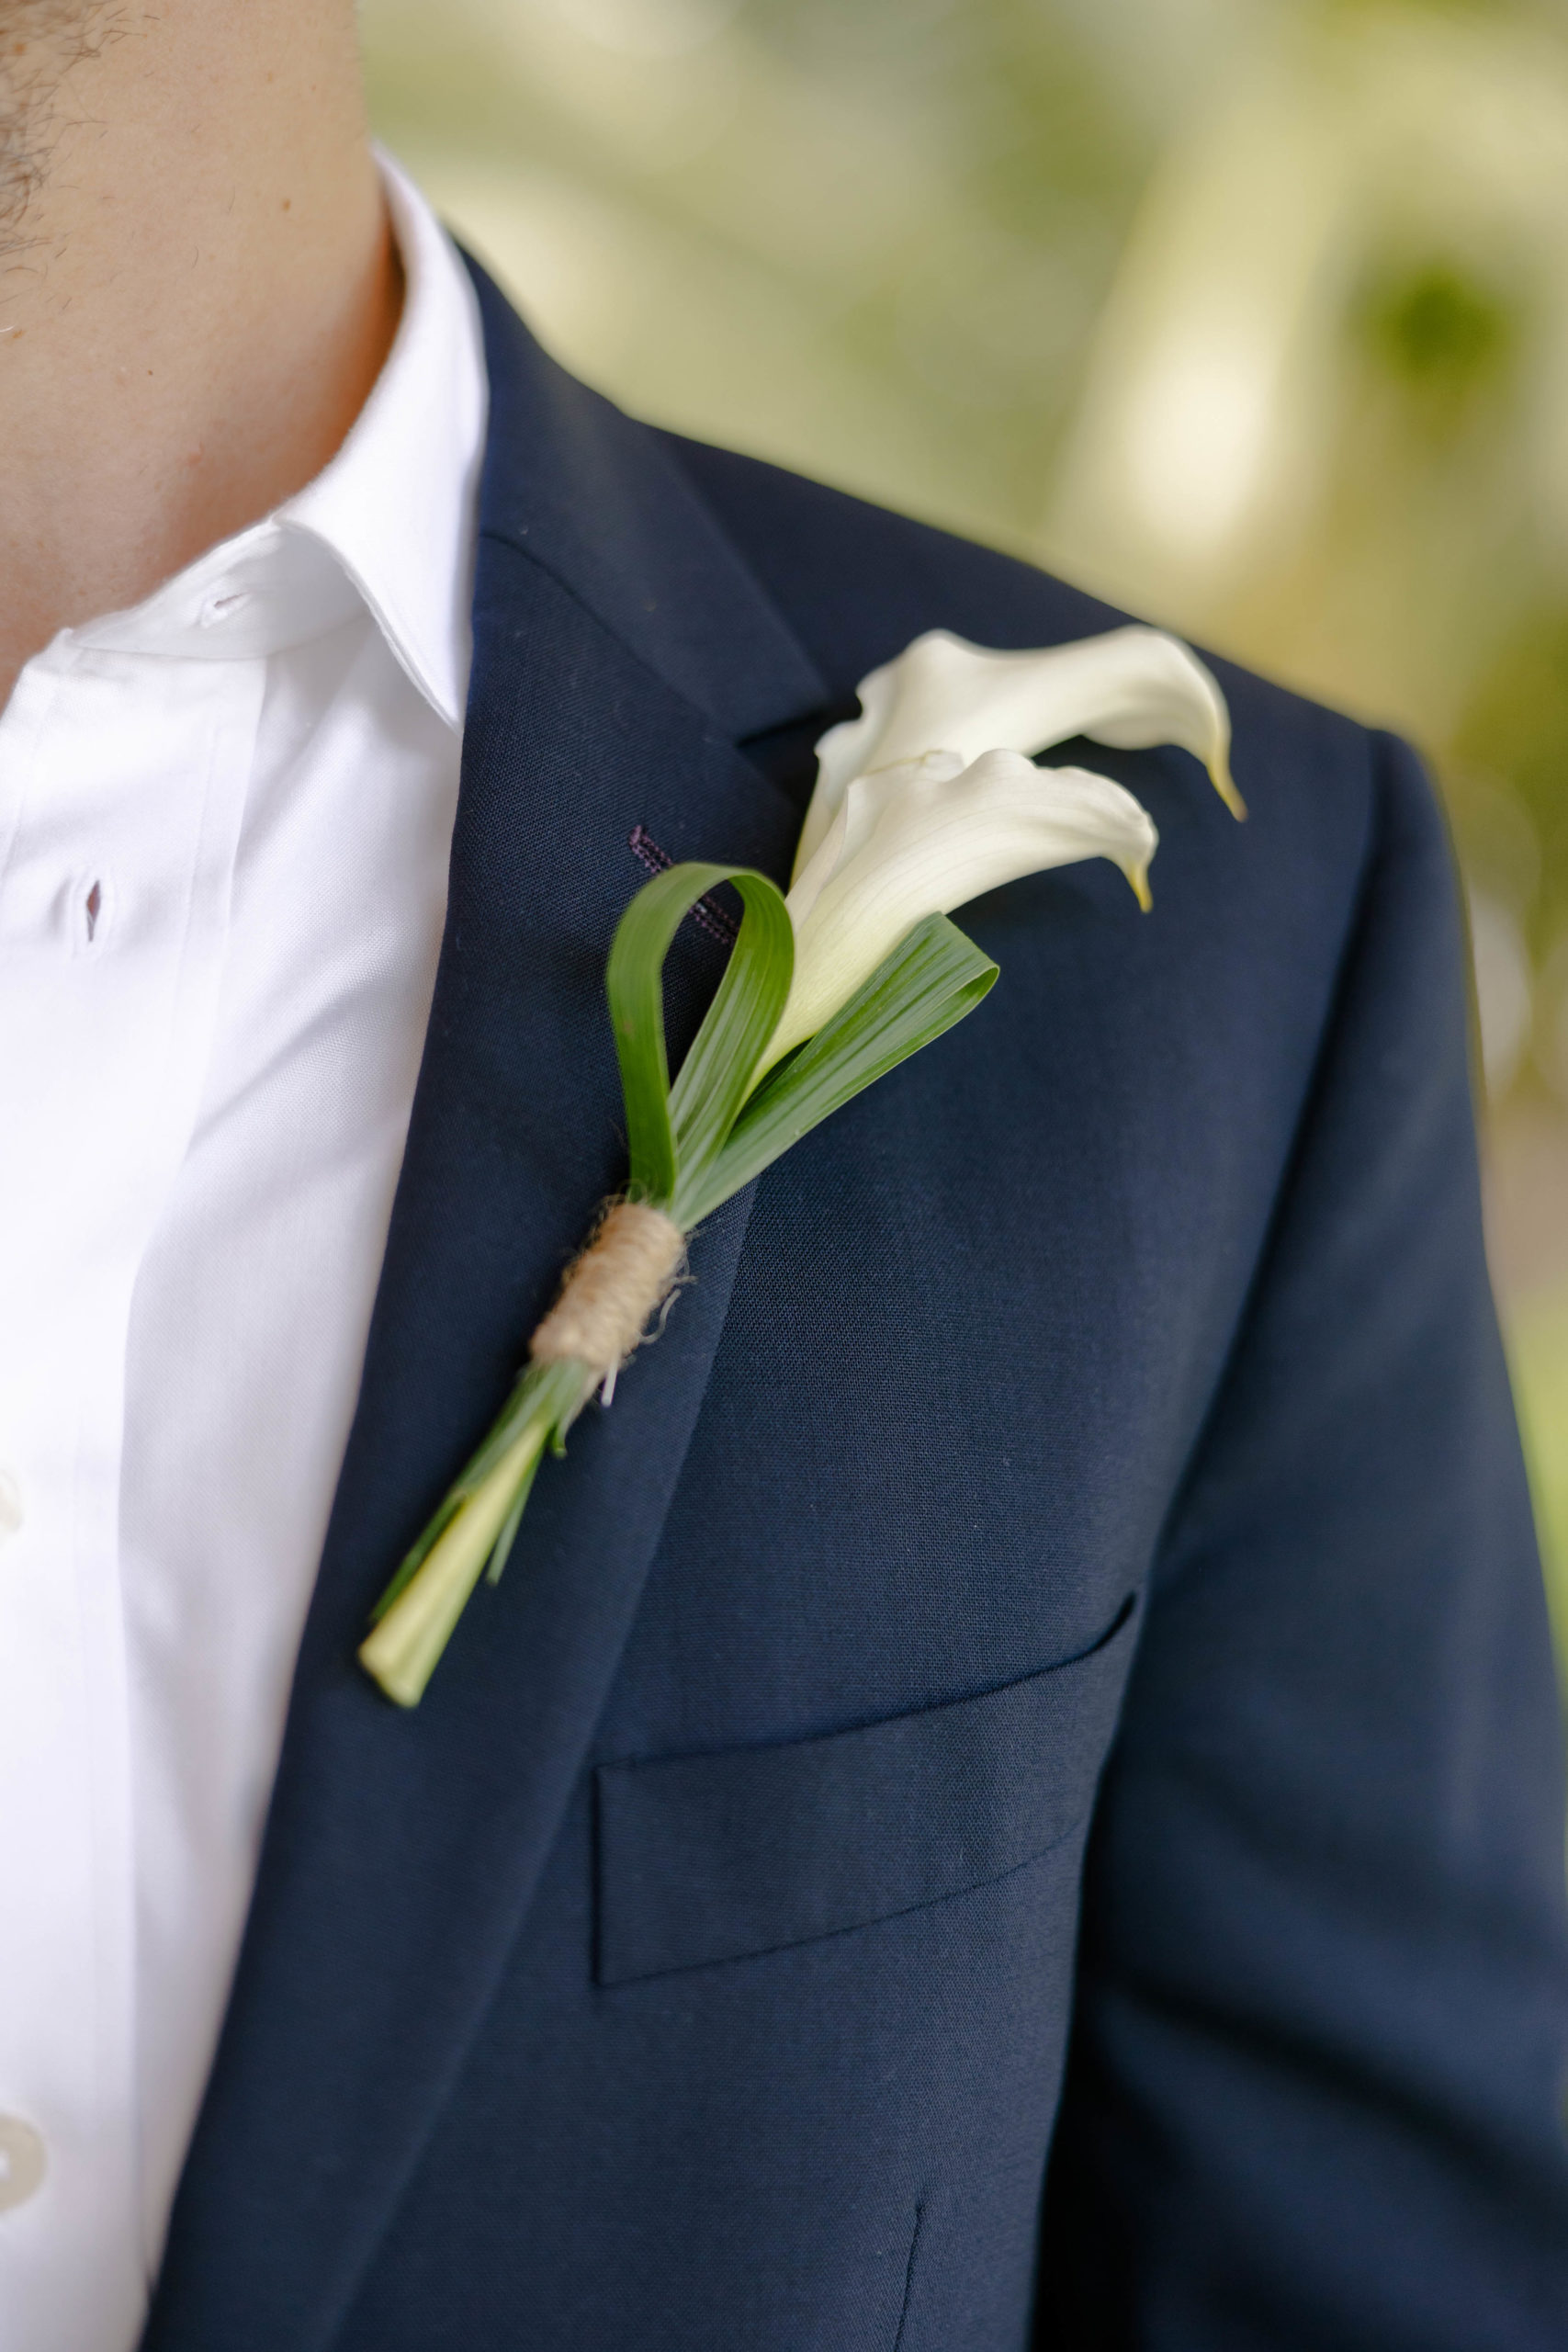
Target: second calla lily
<point x="925" y="836"/>
<point x="1130" y="689"/>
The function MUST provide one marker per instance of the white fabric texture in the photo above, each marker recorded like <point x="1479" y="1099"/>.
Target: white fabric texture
<point x="224" y="826"/>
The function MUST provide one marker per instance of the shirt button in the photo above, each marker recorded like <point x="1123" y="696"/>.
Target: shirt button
<point x="22" y="2161"/>
<point x="11" y="1504"/>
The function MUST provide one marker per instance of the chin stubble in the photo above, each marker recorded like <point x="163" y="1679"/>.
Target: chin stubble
<point x="41" y="42"/>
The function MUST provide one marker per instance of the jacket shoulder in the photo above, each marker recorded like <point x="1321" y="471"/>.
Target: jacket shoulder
<point x="851" y="577"/>
<point x="856" y="582"/>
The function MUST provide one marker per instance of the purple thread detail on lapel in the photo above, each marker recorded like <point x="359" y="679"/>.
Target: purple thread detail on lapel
<point x="648" y="852"/>
<point x="707" y="914"/>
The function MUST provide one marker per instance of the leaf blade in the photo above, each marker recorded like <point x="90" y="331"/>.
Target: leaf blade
<point x="634" y="982"/>
<point x="930" y="982"/>
<point x="671" y="1130"/>
<point x="718" y="1072"/>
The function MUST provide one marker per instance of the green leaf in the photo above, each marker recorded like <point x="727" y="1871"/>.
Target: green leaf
<point x="546" y="1396"/>
<point x="673" y="1134"/>
<point x="931" y="980"/>
<point x="707" y="1097"/>
<point x="634" y="979"/>
<point x="508" y="1535"/>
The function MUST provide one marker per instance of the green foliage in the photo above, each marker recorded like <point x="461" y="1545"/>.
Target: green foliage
<point x="927" y="984"/>
<point x="672" y="1136"/>
<point x="696" y="1144"/>
<point x="1515" y="727"/>
<point x="1439" y="329"/>
<point x="1539" y="1356"/>
<point x="545" y="1399"/>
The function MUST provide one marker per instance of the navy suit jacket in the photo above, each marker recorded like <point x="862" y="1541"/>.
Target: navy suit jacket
<point x="1010" y="1793"/>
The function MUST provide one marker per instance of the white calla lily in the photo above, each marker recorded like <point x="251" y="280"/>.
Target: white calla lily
<point x="1130" y="689"/>
<point x="925" y="836"/>
<point x="927" y="800"/>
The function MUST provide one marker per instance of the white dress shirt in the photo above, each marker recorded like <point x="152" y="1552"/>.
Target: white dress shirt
<point x="225" y="823"/>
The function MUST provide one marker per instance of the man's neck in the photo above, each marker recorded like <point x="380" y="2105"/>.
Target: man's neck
<point x="197" y="286"/>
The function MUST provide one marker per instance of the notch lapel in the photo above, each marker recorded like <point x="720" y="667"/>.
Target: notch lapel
<point x="620" y="650"/>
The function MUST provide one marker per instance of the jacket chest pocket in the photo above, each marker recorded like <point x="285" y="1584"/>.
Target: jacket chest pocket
<point x="714" y="1858"/>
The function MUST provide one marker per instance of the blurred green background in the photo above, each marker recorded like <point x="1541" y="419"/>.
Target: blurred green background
<point x="1250" y="314"/>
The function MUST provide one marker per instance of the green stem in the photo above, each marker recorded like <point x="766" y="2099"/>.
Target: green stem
<point x="402" y="1651"/>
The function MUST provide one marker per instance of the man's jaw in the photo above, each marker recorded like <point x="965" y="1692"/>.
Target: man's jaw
<point x="41" y="43"/>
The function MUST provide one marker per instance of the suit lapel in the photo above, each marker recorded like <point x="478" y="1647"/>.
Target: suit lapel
<point x="620" y="650"/>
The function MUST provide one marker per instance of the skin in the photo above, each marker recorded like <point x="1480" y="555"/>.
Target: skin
<point x="198" y="286"/>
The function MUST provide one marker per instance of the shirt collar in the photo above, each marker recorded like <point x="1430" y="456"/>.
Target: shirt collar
<point x="394" y="509"/>
<point x="397" y="503"/>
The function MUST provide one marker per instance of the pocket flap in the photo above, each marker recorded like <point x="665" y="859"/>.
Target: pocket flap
<point x="709" y="1858"/>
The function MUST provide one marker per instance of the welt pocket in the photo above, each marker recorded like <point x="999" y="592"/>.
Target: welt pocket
<point x="719" y="1856"/>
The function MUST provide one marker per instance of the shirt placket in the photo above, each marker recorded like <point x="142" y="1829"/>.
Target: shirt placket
<point x="123" y="785"/>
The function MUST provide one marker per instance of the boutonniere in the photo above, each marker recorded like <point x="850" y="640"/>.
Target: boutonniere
<point x="927" y="800"/>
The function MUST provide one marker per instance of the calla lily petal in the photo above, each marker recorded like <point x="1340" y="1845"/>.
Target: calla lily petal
<point x="919" y="840"/>
<point x="857" y="813"/>
<point x="1130" y="689"/>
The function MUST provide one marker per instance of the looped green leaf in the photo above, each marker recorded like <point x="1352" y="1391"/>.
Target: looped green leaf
<point x="717" y="1074"/>
<point x="673" y="1134"/>
<point x="696" y="1143"/>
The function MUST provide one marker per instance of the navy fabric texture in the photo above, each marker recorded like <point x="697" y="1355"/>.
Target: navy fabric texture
<point x="706" y="1858"/>
<point x="1011" y="1792"/>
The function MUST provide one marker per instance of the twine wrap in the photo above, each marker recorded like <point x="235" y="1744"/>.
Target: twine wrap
<point x="609" y="1295"/>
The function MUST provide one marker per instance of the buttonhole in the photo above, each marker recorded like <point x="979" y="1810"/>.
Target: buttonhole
<point x="89" y="912"/>
<point x="709" y="914"/>
<point x="219" y="608"/>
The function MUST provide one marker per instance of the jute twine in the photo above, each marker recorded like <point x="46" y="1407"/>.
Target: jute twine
<point x="611" y="1293"/>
